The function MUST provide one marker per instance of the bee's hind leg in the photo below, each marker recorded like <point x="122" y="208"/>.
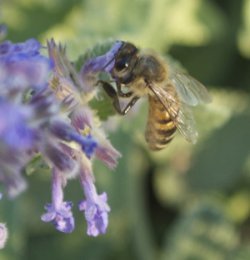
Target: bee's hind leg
<point x="127" y="107"/>
<point x="108" y="88"/>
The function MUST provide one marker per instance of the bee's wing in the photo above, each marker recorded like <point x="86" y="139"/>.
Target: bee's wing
<point x="186" y="123"/>
<point x="179" y="112"/>
<point x="190" y="90"/>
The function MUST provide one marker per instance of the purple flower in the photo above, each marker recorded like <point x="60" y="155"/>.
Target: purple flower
<point x="22" y="66"/>
<point x="106" y="153"/>
<point x="85" y="129"/>
<point x="65" y="82"/>
<point x="69" y="134"/>
<point x="83" y="119"/>
<point x="102" y="63"/>
<point x="58" y="157"/>
<point x="44" y="109"/>
<point x="95" y="206"/>
<point x="59" y="212"/>
<point x="15" y="131"/>
<point x="23" y="70"/>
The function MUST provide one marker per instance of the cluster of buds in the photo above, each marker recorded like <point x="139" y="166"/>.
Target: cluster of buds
<point x="44" y="110"/>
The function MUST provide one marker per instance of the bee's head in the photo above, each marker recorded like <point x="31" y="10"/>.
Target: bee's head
<point x="125" y="61"/>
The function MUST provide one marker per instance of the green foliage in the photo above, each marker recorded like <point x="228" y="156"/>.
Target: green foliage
<point x="185" y="202"/>
<point x="103" y="106"/>
<point x="202" y="233"/>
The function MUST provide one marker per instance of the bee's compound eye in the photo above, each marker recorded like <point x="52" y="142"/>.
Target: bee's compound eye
<point x="121" y="64"/>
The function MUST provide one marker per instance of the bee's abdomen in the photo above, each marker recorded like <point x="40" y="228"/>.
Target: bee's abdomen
<point x="160" y="127"/>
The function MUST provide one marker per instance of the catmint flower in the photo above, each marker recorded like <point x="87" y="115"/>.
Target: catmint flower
<point x="102" y="63"/>
<point x="69" y="134"/>
<point x="44" y="108"/>
<point x="22" y="66"/>
<point x="59" y="211"/>
<point x="85" y="130"/>
<point x="23" y="70"/>
<point x="95" y="206"/>
<point x="82" y="119"/>
<point x="92" y="67"/>
<point x="15" y="132"/>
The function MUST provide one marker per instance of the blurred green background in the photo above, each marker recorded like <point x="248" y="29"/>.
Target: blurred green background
<point x="188" y="202"/>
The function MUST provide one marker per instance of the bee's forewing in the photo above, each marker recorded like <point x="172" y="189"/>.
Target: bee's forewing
<point x="179" y="112"/>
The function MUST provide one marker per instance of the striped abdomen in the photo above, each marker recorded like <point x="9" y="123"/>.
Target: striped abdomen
<point x="160" y="127"/>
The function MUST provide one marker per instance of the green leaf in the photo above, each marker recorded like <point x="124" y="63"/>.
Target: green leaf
<point x="103" y="106"/>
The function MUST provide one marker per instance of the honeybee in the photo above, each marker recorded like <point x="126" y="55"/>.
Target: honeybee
<point x="170" y="92"/>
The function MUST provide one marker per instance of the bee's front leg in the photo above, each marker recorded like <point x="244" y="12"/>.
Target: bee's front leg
<point x="108" y="88"/>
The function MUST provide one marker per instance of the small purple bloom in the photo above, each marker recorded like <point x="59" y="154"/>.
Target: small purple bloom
<point x="15" y="131"/>
<point x="22" y="66"/>
<point x="95" y="206"/>
<point x="83" y="118"/>
<point x="106" y="153"/>
<point x="61" y="218"/>
<point x="96" y="214"/>
<point x="102" y="63"/>
<point x="58" y="157"/>
<point x="29" y="48"/>
<point x="67" y="133"/>
<point x="59" y="212"/>
<point x="23" y="78"/>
